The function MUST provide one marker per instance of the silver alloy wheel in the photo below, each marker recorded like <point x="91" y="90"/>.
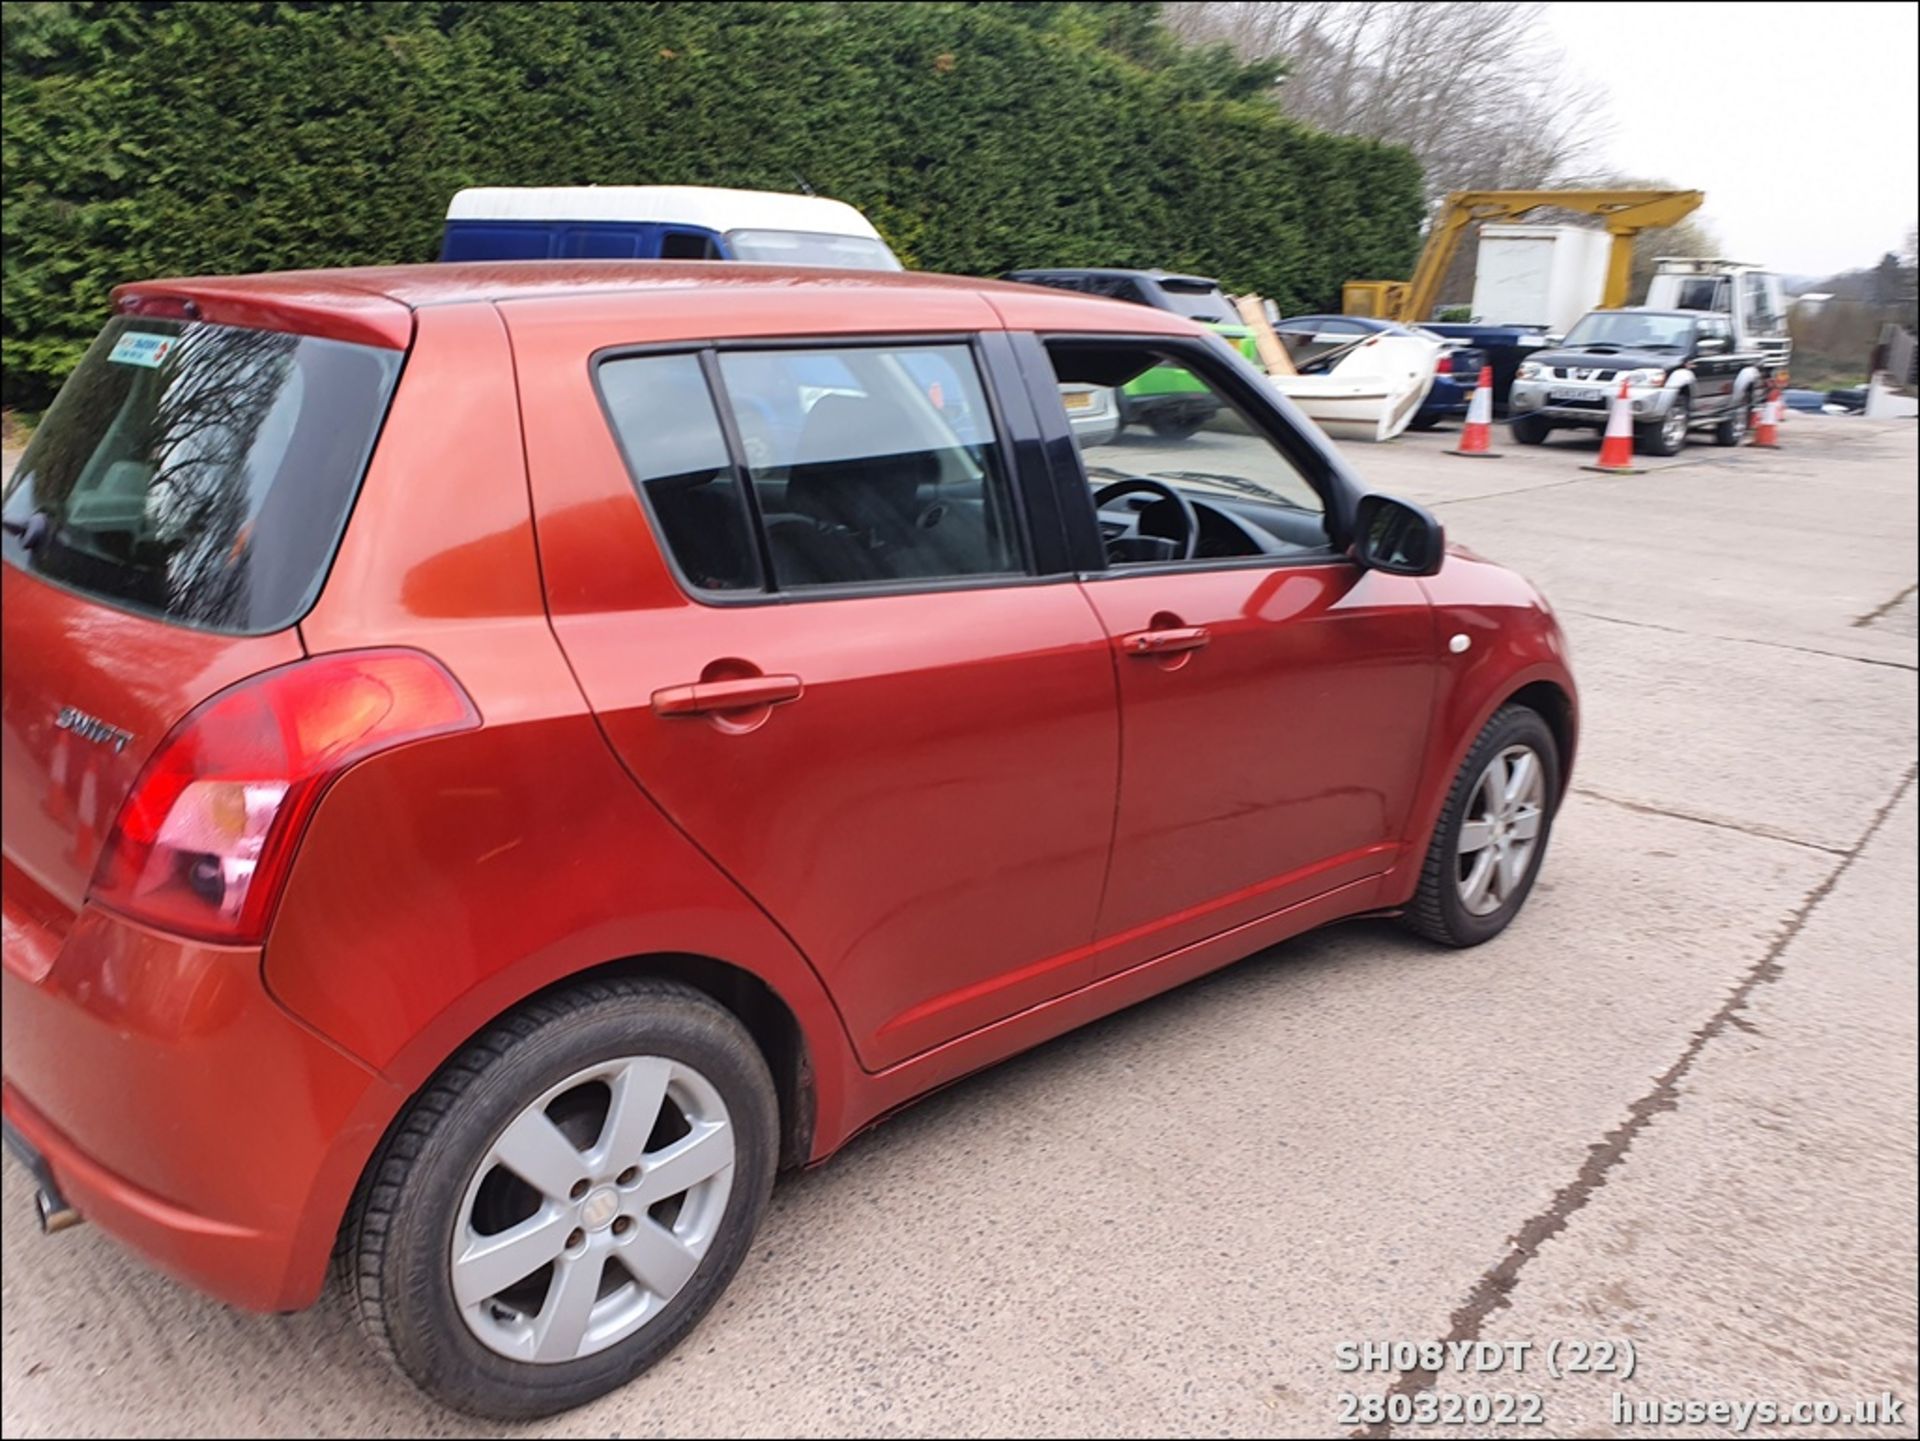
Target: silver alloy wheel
<point x="592" y="1209"/>
<point x="1673" y="430"/>
<point x="1501" y="830"/>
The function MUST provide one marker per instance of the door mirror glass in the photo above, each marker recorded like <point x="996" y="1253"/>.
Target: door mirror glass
<point x="1397" y="537"/>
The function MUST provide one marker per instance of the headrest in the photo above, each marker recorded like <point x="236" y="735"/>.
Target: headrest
<point x="859" y="464"/>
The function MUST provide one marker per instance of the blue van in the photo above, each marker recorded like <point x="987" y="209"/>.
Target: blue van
<point x="660" y="222"/>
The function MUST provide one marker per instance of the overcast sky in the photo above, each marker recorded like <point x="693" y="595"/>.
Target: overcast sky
<point x="1826" y="181"/>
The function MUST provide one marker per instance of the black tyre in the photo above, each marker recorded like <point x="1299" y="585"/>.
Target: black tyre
<point x="1492" y="834"/>
<point x="1733" y="430"/>
<point x="1177" y="429"/>
<point x="566" y="1199"/>
<point x="1425" y="422"/>
<point x="1668" y="436"/>
<point x="1530" y="429"/>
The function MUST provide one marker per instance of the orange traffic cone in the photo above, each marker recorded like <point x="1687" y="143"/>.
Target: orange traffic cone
<point x="1766" y="431"/>
<point x="1616" y="451"/>
<point x="1476" y="436"/>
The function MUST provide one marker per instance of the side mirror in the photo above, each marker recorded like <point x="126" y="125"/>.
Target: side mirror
<point x="1711" y="345"/>
<point x="1397" y="537"/>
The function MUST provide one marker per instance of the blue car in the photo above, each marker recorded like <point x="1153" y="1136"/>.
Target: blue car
<point x="1308" y="337"/>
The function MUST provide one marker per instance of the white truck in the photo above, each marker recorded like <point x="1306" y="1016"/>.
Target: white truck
<point x="1748" y="295"/>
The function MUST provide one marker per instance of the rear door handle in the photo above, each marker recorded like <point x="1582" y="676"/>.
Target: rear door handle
<point x="1165" y="642"/>
<point x="706" y="697"/>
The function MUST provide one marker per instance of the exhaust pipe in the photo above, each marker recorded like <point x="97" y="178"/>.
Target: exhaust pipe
<point x="54" y="1212"/>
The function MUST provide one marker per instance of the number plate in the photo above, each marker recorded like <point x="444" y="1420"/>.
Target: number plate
<point x="1575" y="392"/>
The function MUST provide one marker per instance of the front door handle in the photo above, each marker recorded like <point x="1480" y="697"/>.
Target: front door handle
<point x="743" y="693"/>
<point x="1165" y="642"/>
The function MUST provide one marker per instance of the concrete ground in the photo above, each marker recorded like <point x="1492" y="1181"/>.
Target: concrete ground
<point x="1674" y="1105"/>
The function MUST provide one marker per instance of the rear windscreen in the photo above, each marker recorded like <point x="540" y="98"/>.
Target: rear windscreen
<point x="1197" y="300"/>
<point x="202" y="473"/>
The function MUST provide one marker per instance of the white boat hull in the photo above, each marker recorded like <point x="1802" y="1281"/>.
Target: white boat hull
<point x="1372" y="393"/>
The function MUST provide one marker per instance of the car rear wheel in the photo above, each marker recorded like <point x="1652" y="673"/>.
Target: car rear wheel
<point x="1530" y="429"/>
<point x="1180" y="429"/>
<point x="1492" y="834"/>
<point x="1733" y="429"/>
<point x="566" y="1199"/>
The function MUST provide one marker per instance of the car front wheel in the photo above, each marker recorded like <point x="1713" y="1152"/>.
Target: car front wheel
<point x="1667" y="435"/>
<point x="566" y="1199"/>
<point x="1492" y="833"/>
<point x="1530" y="429"/>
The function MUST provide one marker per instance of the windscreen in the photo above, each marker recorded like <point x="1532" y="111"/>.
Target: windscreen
<point x="199" y="472"/>
<point x="800" y="247"/>
<point x="1631" y="330"/>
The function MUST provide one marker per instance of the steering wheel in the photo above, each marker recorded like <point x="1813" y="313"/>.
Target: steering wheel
<point x="1188" y="539"/>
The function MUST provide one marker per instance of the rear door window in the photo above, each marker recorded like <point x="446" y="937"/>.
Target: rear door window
<point x="847" y="466"/>
<point x="201" y="473"/>
<point x="876" y="464"/>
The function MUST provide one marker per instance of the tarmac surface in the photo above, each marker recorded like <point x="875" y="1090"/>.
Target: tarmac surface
<point x="1673" y="1106"/>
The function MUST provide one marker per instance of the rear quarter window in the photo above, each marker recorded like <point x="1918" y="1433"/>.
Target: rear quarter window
<point x="200" y="473"/>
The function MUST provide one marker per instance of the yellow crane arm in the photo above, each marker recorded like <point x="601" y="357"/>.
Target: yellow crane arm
<point x="1627" y="213"/>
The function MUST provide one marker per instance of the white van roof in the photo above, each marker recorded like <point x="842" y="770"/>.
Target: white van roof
<point x="705" y="206"/>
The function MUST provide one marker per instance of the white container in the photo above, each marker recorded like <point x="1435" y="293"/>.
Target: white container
<point x="1540" y="275"/>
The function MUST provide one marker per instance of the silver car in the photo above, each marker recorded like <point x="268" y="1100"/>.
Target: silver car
<point x="1094" y="413"/>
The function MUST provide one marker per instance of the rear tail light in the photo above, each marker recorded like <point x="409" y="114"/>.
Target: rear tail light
<point x="1445" y="367"/>
<point x="205" y="838"/>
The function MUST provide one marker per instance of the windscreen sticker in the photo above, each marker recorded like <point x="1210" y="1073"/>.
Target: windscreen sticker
<point x="138" y="348"/>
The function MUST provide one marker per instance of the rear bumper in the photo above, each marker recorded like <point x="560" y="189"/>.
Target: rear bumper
<point x="176" y="1106"/>
<point x="1446" y="396"/>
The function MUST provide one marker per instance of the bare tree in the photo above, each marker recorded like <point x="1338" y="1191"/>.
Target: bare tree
<point x="1478" y="91"/>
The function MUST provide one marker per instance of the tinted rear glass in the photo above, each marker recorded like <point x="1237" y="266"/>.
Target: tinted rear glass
<point x="1197" y="300"/>
<point x="202" y="473"/>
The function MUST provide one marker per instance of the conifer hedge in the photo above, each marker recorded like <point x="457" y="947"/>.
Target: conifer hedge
<point x="157" y="139"/>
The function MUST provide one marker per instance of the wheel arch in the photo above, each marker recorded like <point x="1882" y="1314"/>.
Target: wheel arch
<point x="1545" y="688"/>
<point x="1555" y="706"/>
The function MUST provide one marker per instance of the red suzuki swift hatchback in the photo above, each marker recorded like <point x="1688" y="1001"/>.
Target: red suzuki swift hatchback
<point x="501" y="759"/>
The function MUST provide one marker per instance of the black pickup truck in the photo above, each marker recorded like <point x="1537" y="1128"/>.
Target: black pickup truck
<point x="1681" y="369"/>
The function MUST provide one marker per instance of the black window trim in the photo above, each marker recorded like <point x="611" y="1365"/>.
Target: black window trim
<point x="708" y="352"/>
<point x="1319" y="465"/>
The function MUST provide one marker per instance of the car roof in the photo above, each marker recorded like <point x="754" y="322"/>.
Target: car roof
<point x="709" y="207"/>
<point x="374" y="305"/>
